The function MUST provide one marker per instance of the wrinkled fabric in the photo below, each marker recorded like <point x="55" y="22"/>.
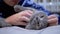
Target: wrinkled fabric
<point x="18" y="30"/>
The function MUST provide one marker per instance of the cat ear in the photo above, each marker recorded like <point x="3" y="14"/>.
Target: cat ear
<point x="19" y="8"/>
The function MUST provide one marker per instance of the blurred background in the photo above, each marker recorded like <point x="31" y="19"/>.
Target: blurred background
<point x="51" y="5"/>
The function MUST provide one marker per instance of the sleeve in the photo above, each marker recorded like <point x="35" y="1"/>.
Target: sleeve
<point x="32" y="4"/>
<point x="59" y="20"/>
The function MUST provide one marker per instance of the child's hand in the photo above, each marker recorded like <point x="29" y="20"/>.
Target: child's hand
<point x="17" y="19"/>
<point x="52" y="20"/>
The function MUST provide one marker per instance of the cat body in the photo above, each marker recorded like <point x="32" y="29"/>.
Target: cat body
<point x="37" y="21"/>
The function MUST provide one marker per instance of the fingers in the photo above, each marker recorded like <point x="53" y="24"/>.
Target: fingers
<point x="26" y="13"/>
<point x="20" y="21"/>
<point x="52" y="16"/>
<point x="52" y="20"/>
<point x="23" y="18"/>
<point x="31" y="12"/>
<point x="26" y="17"/>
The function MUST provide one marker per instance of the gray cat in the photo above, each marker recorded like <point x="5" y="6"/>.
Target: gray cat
<point x="37" y="21"/>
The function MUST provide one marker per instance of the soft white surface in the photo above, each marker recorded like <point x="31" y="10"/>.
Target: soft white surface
<point x="18" y="30"/>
